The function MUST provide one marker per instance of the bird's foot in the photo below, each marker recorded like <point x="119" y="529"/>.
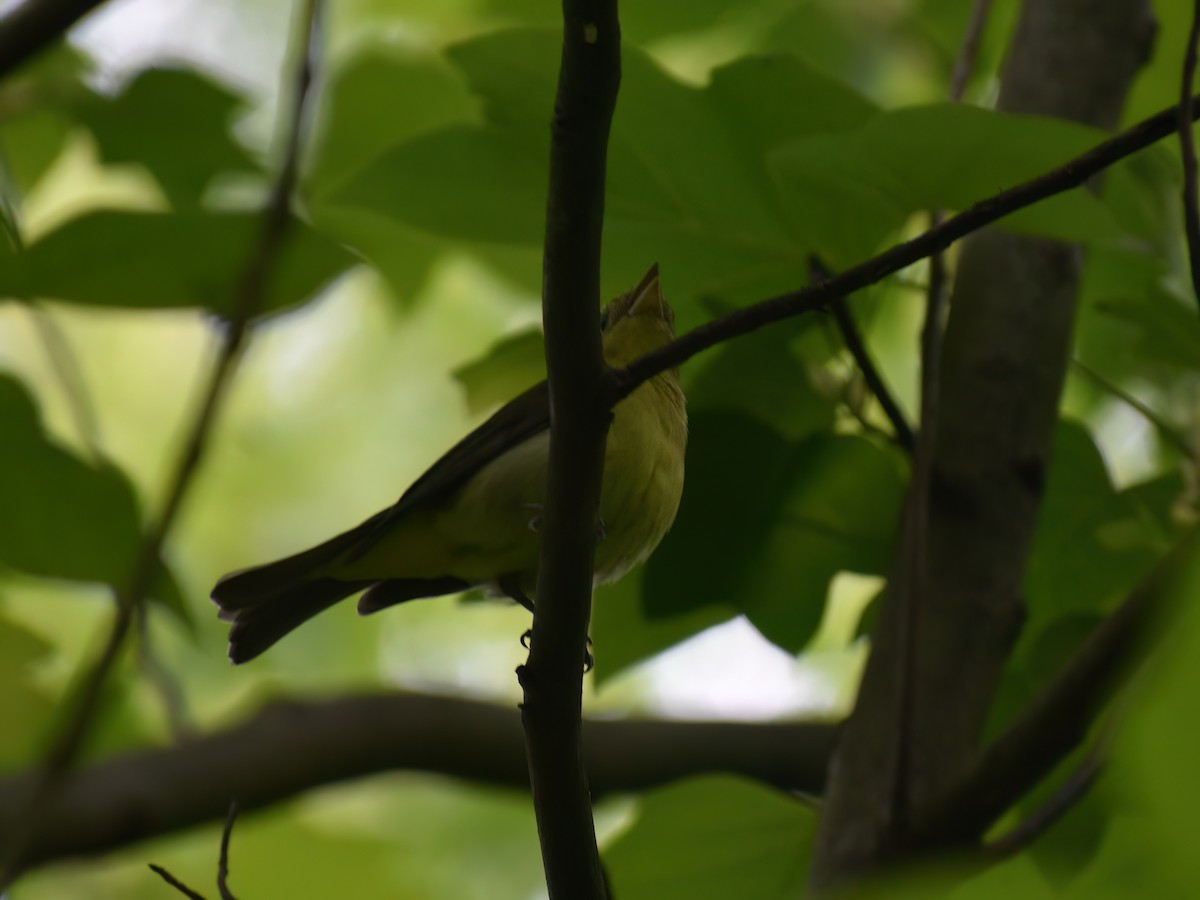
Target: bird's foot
<point x="589" y="661"/>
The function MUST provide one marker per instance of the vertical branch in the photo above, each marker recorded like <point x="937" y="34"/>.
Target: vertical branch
<point x="1187" y="144"/>
<point x="552" y="679"/>
<point x="954" y="603"/>
<point x="250" y="289"/>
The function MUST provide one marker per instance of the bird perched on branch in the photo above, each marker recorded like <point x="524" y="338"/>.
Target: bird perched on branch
<point x="472" y="519"/>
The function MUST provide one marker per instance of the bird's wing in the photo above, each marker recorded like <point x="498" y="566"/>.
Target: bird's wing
<point x="518" y="420"/>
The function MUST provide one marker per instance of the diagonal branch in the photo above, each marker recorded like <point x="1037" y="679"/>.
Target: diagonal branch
<point x="249" y="292"/>
<point x="589" y="75"/>
<point x="1070" y="175"/>
<point x="1187" y="144"/>
<point x="853" y="340"/>
<point x="32" y="25"/>
<point x="148" y="793"/>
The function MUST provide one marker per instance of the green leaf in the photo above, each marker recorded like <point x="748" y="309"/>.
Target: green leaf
<point x="760" y="95"/>
<point x="508" y="367"/>
<point x="716" y="836"/>
<point x="175" y="122"/>
<point x="759" y="375"/>
<point x="155" y="260"/>
<point x="623" y="635"/>
<point x="1092" y="543"/>
<point x="61" y="517"/>
<point x="475" y="184"/>
<point x="27" y="709"/>
<point x="377" y="99"/>
<point x="848" y="190"/>
<point x="765" y="524"/>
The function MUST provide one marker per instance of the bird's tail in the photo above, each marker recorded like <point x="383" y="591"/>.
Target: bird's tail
<point x="267" y="602"/>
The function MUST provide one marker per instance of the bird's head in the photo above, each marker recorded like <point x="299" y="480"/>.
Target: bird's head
<point x="637" y="322"/>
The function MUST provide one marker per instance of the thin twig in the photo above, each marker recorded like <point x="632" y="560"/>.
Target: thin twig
<point x="249" y="292"/>
<point x="853" y="340"/>
<point x="175" y="883"/>
<point x="1167" y="431"/>
<point x="968" y="50"/>
<point x="1187" y="145"/>
<point x="1071" y="174"/>
<point x="223" y="862"/>
<point x="163" y="680"/>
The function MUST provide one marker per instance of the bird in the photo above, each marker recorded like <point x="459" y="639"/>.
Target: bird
<point x="472" y="520"/>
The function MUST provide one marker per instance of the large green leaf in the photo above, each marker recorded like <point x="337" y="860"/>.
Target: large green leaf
<point x="375" y="100"/>
<point x="176" y="123"/>
<point x="847" y="191"/>
<point x="510" y="366"/>
<point x="142" y="259"/>
<point x="766" y="523"/>
<point x="716" y="836"/>
<point x="60" y="516"/>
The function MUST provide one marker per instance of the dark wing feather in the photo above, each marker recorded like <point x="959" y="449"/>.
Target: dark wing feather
<point x="514" y="423"/>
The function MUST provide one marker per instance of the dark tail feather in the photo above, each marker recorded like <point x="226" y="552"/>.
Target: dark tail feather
<point x="256" y="627"/>
<point x="398" y="590"/>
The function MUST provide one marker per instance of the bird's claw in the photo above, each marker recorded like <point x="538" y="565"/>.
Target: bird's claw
<point x="589" y="661"/>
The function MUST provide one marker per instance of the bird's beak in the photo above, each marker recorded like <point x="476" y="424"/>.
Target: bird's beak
<point x="647" y="296"/>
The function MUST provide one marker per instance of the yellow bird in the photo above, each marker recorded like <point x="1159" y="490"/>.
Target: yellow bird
<point x="472" y="519"/>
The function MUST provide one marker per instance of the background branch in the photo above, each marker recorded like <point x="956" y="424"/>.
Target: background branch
<point x="148" y="793"/>
<point x="248" y="293"/>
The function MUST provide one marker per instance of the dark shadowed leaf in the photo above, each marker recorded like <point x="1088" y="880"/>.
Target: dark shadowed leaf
<point x="176" y="123"/>
<point x="141" y="259"/>
<point x="765" y="524"/>
<point x="61" y="517"/>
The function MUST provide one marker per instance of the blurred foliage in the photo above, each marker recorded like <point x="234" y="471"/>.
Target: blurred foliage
<point x="748" y="136"/>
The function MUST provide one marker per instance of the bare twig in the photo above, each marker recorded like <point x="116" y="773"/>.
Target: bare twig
<point x="1187" y="145"/>
<point x="853" y="340"/>
<point x="1164" y="428"/>
<point x="223" y="862"/>
<point x="175" y="882"/>
<point x="1070" y="175"/>
<point x="152" y="792"/>
<point x="32" y="25"/>
<point x="248" y="294"/>
<point x="589" y="75"/>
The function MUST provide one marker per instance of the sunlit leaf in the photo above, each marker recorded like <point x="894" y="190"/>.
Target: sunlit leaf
<point x="713" y="837"/>
<point x="510" y="366"/>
